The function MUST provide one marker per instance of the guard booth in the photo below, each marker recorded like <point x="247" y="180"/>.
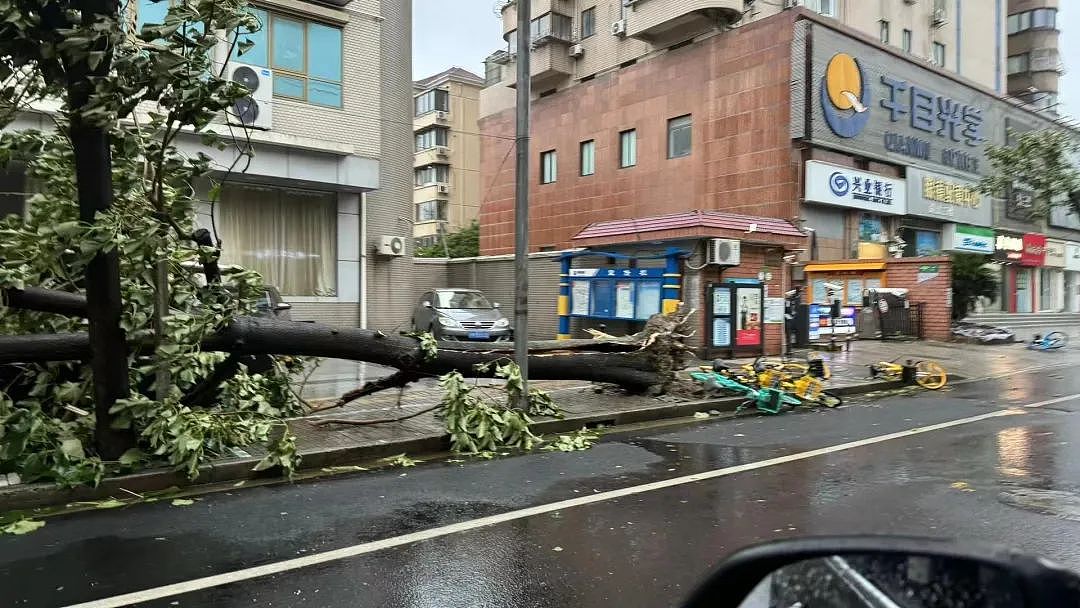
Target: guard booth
<point x="736" y="313"/>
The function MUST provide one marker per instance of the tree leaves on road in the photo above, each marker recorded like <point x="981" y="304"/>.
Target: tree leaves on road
<point x="22" y="526"/>
<point x="400" y="460"/>
<point x="182" y="502"/>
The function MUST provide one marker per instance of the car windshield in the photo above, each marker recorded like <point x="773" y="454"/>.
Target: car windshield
<point x="461" y="299"/>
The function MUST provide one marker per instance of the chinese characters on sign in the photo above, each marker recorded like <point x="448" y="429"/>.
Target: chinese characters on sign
<point x="944" y="191"/>
<point x="835" y="185"/>
<point x="935" y="114"/>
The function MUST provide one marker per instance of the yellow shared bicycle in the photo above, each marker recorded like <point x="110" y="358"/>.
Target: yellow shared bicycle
<point x="928" y="374"/>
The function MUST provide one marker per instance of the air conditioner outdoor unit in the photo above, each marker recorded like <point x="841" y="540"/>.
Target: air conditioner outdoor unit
<point x="724" y="252"/>
<point x="257" y="109"/>
<point x="938" y="19"/>
<point x="618" y="28"/>
<point x="442" y="151"/>
<point x="443" y="189"/>
<point x="391" y="245"/>
<point x="440" y="115"/>
<point x="577" y="51"/>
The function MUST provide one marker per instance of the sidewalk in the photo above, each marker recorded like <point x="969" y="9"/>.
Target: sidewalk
<point x="584" y="404"/>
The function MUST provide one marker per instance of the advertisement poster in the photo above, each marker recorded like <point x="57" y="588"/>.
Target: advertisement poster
<point x="774" y="310"/>
<point x="721" y="301"/>
<point x="579" y="297"/>
<point x="721" y="332"/>
<point x="624" y="299"/>
<point x="748" y="316"/>
<point x="815" y="325"/>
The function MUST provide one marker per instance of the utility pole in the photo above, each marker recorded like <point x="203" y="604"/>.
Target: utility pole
<point x="521" y="199"/>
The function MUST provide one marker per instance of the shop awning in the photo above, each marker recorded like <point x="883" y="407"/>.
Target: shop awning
<point x="841" y="266"/>
<point x="692" y="224"/>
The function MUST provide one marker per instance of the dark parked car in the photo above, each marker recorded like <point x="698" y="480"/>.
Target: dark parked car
<point x="461" y="314"/>
<point x="271" y="305"/>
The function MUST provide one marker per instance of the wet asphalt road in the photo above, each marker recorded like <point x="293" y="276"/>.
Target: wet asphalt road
<point x="1022" y="476"/>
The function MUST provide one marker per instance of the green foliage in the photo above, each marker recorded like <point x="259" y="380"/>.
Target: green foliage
<point x="21" y="526"/>
<point x="464" y="243"/>
<point x="971" y="280"/>
<point x="161" y="82"/>
<point x="476" y="424"/>
<point x="582" y="439"/>
<point x="540" y="403"/>
<point x="1044" y="162"/>
<point x="429" y="346"/>
<point x="399" y="460"/>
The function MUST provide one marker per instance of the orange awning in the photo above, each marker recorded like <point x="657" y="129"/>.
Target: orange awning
<point x="841" y="266"/>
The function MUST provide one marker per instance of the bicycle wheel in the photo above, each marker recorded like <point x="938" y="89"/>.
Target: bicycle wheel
<point x="930" y="374"/>
<point x="1055" y="339"/>
<point x="829" y="399"/>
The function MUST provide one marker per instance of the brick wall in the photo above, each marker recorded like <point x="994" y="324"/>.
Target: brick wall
<point x="736" y="88"/>
<point x="935" y="294"/>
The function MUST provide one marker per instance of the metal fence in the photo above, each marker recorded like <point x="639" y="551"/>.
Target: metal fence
<point x="902" y="321"/>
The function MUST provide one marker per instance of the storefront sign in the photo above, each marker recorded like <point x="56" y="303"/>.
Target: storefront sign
<point x="971" y="239"/>
<point x="1034" y="253"/>
<point x="1019" y="204"/>
<point x="943" y="197"/>
<point x="1054" y="254"/>
<point x="927" y="272"/>
<point x="847" y="187"/>
<point x="865" y="100"/>
<point x="1072" y="256"/>
<point x="1008" y="247"/>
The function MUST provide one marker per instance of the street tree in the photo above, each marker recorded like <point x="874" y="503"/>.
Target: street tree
<point x="463" y="243"/>
<point x="971" y="280"/>
<point x="112" y="217"/>
<point x="1043" y="163"/>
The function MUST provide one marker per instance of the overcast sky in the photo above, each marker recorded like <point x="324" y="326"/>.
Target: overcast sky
<point x="463" y="32"/>
<point x="453" y="32"/>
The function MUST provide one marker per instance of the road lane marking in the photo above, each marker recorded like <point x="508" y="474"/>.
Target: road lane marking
<point x="307" y="561"/>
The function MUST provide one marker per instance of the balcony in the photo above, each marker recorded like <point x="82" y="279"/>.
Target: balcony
<point x="432" y="156"/>
<point x="439" y="118"/>
<point x="429" y="192"/>
<point x="664" y="21"/>
<point x="549" y="64"/>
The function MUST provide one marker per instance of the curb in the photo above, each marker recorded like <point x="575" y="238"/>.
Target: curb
<point x="38" y="495"/>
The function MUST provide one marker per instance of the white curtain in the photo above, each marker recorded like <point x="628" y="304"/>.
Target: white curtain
<point x="288" y="236"/>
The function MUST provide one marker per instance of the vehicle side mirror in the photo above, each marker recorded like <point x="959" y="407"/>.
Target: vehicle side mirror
<point x="426" y="304"/>
<point x="882" y="571"/>
<point x="494" y="304"/>
<point x="283" y="306"/>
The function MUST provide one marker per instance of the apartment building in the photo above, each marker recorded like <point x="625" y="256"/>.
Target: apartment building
<point x="789" y="151"/>
<point x="446" y="163"/>
<point x="1034" y="63"/>
<point x="575" y="40"/>
<point x="321" y="210"/>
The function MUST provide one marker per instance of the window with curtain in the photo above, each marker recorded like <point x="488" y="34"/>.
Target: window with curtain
<point x="431" y="101"/>
<point x="588" y="157"/>
<point x="306" y="57"/>
<point x="437" y="136"/>
<point x="548" y="167"/>
<point x="588" y="22"/>
<point x="430" y="211"/>
<point x="287" y="236"/>
<point x="628" y="148"/>
<point x="432" y="174"/>
<point x="679" y="136"/>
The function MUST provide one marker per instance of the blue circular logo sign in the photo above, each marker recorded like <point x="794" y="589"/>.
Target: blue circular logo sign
<point x="839" y="184"/>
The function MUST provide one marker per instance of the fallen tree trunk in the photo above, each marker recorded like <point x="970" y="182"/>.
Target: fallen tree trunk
<point x="255" y="336"/>
<point x="639" y="362"/>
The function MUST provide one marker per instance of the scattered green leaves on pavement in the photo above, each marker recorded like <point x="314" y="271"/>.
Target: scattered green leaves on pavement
<point x="348" y="468"/>
<point x="701" y="415"/>
<point x="400" y="460"/>
<point x="582" y="439"/>
<point x="21" y="526"/>
<point x="182" y="502"/>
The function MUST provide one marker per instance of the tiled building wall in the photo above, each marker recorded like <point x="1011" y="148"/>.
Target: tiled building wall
<point x="935" y="294"/>
<point x="734" y="85"/>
